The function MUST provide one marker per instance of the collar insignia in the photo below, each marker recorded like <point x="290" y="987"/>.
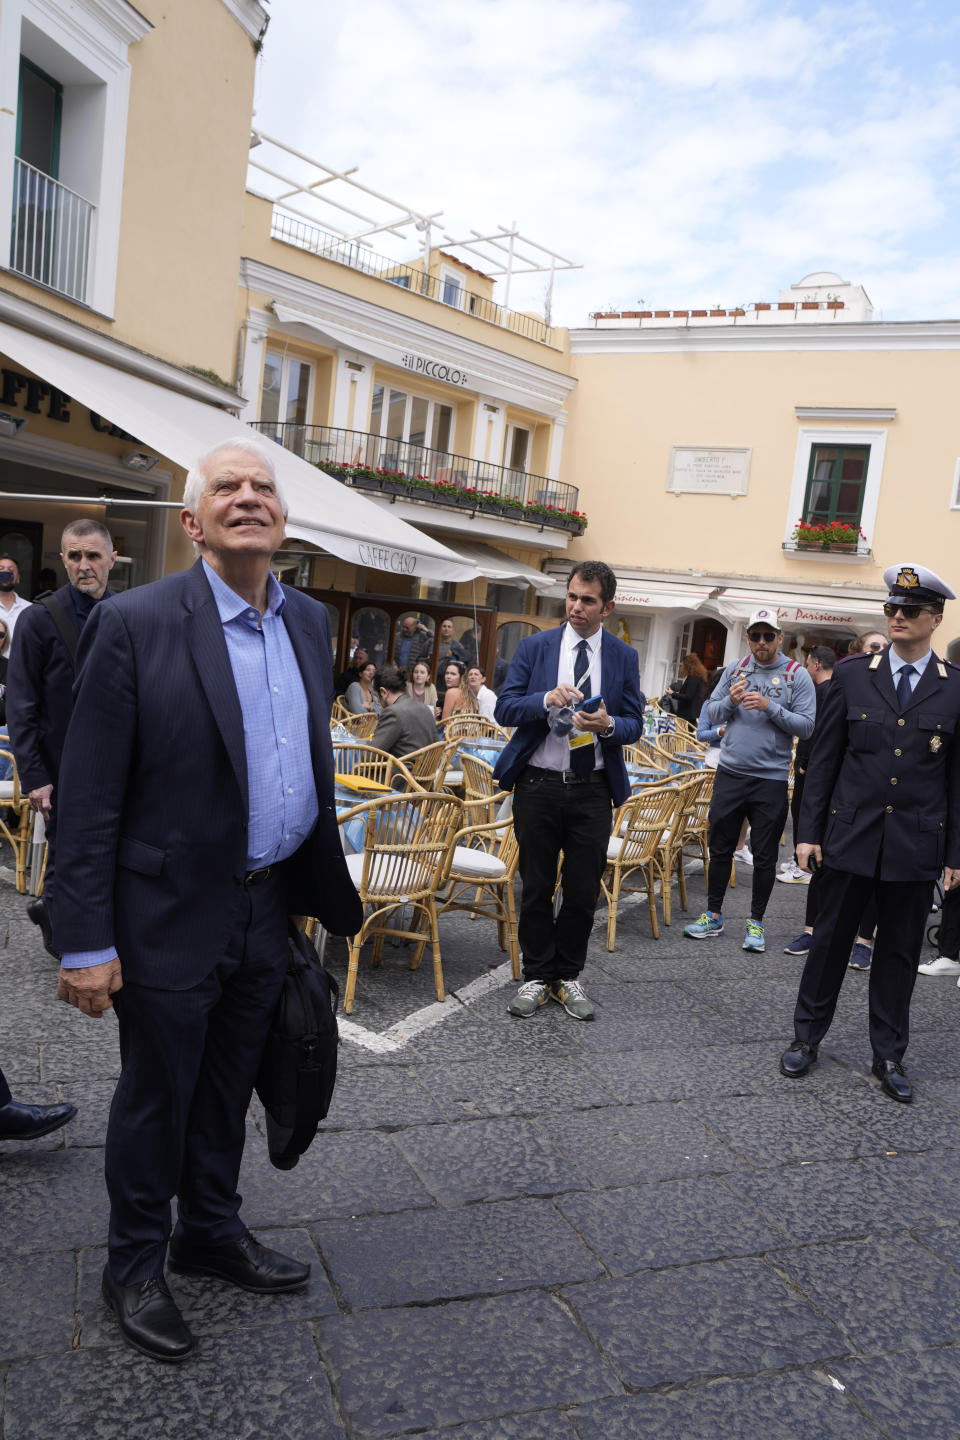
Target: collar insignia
<point x="907" y="578"/>
<point x="875" y="662"/>
<point x="941" y="670"/>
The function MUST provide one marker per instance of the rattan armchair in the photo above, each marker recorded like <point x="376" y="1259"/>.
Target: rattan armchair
<point x="367" y="762"/>
<point x="427" y="765"/>
<point x="360" y="726"/>
<point x="479" y="874"/>
<point x="642" y="840"/>
<point x="405" y="853"/>
<point x="462" y="726"/>
<point x="16" y="821"/>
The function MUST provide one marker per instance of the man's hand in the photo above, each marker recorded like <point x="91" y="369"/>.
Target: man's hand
<point x="40" y="799"/>
<point x="737" y="691"/>
<point x="951" y="879"/>
<point x="753" y="700"/>
<point x="90" y="988"/>
<point x="803" y="856"/>
<point x="595" y="720"/>
<point x="563" y="695"/>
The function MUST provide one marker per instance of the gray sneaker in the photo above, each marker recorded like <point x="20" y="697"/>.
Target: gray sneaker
<point x="569" y="994"/>
<point x="528" y="999"/>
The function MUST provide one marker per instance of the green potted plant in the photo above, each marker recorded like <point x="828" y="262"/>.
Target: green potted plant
<point x="838" y="535"/>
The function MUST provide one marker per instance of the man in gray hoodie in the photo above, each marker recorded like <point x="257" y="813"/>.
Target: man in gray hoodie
<point x="766" y="701"/>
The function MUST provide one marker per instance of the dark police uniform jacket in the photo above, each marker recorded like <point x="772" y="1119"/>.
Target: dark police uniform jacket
<point x="883" y="788"/>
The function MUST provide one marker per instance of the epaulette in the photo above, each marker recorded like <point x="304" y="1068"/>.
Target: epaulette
<point x="845" y="659"/>
<point x="950" y="665"/>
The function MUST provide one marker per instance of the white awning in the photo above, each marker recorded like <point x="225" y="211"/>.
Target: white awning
<point x="494" y="564"/>
<point x="799" y="610"/>
<point x="322" y="510"/>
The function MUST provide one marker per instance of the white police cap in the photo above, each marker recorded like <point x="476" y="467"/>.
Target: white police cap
<point x="916" y="583"/>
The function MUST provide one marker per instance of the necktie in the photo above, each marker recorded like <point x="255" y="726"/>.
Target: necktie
<point x="903" y="686"/>
<point x="582" y="758"/>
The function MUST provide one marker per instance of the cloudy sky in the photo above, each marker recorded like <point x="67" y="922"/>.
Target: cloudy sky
<point x="687" y="155"/>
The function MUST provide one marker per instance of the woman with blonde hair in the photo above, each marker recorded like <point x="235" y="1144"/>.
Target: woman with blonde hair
<point x="420" y="687"/>
<point x="459" y="698"/>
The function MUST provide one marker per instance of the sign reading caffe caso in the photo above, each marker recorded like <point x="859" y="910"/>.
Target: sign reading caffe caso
<point x="434" y="369"/>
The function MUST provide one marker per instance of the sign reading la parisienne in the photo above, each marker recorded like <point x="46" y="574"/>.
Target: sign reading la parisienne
<point x="434" y="369"/>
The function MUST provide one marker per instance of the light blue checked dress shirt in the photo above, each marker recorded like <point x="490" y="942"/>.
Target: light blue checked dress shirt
<point x="276" y="736"/>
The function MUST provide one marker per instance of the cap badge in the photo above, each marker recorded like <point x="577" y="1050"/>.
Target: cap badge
<point x="935" y="744"/>
<point x="907" y="578"/>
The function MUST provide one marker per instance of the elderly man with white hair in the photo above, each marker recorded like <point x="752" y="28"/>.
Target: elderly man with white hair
<point x="196" y="819"/>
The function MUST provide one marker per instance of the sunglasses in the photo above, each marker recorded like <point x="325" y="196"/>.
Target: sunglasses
<point x="909" y="612"/>
<point x="764" y="635"/>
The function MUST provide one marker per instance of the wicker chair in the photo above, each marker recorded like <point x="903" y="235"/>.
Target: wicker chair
<point x="479" y="785"/>
<point x="462" y="726"/>
<point x="692" y="835"/>
<point x="642" y="840"/>
<point x="405" y="853"/>
<point x="340" y="711"/>
<point x="17" y="828"/>
<point x="360" y="726"/>
<point x="480" y="871"/>
<point x="426" y="764"/>
<point x="646" y="754"/>
<point x="353" y="763"/>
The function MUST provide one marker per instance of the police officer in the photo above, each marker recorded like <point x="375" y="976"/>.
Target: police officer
<point x="881" y="810"/>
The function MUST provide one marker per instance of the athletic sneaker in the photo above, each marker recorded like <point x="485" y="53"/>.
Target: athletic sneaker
<point x="800" y="946"/>
<point x="943" y="965"/>
<point x="860" y="957"/>
<point x="744" y="855"/>
<point x="793" y="875"/>
<point x="753" y="939"/>
<point x="528" y="999"/>
<point x="569" y="994"/>
<point x="707" y="925"/>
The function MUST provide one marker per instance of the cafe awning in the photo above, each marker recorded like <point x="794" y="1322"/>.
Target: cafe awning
<point x="497" y="565"/>
<point x="180" y="428"/>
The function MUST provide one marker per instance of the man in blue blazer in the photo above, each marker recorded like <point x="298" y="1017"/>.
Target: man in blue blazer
<point x="565" y="779"/>
<point x="196" y="819"/>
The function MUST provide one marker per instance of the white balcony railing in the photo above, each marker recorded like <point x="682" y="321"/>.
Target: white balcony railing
<point x="51" y="232"/>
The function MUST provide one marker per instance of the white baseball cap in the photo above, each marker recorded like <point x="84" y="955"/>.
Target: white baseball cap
<point x="764" y="616"/>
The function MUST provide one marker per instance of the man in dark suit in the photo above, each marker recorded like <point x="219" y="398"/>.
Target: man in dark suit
<point x="566" y="766"/>
<point x="404" y="724"/>
<point x="40" y="679"/>
<point x="196" y="818"/>
<point x="881" y="813"/>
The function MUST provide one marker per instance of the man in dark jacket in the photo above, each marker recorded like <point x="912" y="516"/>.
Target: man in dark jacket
<point x="881" y="810"/>
<point x="404" y="725"/>
<point x="40" y="678"/>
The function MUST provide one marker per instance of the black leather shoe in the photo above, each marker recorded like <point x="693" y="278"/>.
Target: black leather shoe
<point x="29" y="1122"/>
<point x="37" y="911"/>
<point x="798" y="1059"/>
<point x="893" y="1081"/>
<point x="148" y="1317"/>
<point x="243" y="1262"/>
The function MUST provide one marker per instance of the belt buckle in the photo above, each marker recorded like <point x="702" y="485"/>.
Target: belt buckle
<point x="570" y="777"/>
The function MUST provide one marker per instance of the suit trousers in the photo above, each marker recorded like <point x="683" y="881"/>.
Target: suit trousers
<point x="189" y="1060"/>
<point x="950" y="925"/>
<point x="902" y="910"/>
<point x="551" y="817"/>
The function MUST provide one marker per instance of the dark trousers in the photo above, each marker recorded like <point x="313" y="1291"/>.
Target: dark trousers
<point x="764" y="804"/>
<point x="950" y="925"/>
<point x="796" y="799"/>
<point x="551" y="817"/>
<point x="902" y="910"/>
<point x="868" y="920"/>
<point x="177" y="1123"/>
<point x="5" y="1096"/>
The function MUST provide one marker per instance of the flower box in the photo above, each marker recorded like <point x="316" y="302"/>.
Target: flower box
<point x="365" y="482"/>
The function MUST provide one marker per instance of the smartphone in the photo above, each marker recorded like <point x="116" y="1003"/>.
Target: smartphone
<point x="588" y="706"/>
<point x="813" y="864"/>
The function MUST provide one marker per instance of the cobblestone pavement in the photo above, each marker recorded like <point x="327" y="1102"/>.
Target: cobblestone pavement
<point x="527" y="1230"/>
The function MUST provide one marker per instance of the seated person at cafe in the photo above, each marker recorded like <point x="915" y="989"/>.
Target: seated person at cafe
<point x="404" y="724"/>
<point x="420" y="687"/>
<point x="457" y="697"/>
<point x="477" y="681"/>
<point x="351" y="675"/>
<point x="361" y="697"/>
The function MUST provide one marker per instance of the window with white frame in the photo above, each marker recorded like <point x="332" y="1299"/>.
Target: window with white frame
<point x="285" y="393"/>
<point x="451" y="288"/>
<point x="840" y="468"/>
<point x="516" y="448"/>
<point x="407" y="419"/>
<point x="61" y="164"/>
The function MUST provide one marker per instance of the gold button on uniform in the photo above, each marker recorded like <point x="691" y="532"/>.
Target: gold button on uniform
<point x="889" y="809"/>
<point x="901" y="722"/>
<point x="893" y="779"/>
<point x="864" y="715"/>
<point x="898" y="752"/>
